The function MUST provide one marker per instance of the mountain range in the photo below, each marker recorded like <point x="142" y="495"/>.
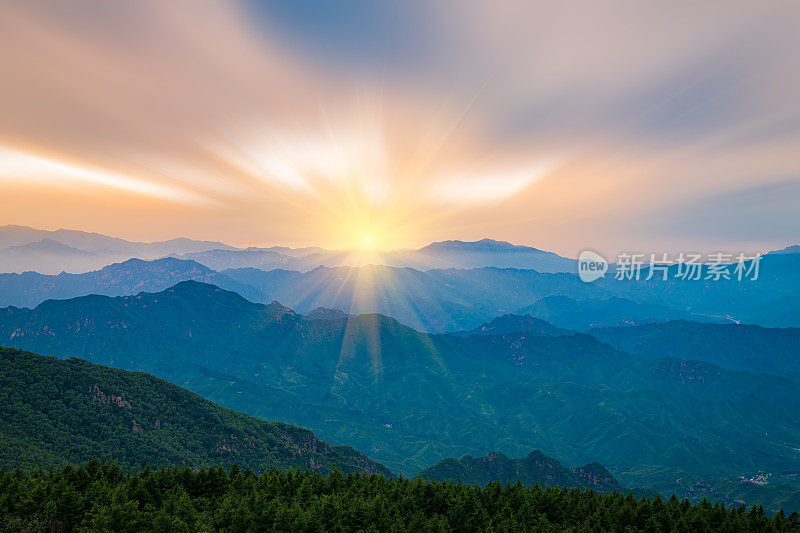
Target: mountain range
<point x="452" y="299"/>
<point x="482" y="280"/>
<point x="733" y="346"/>
<point x="29" y="289"/>
<point x="51" y="252"/>
<point x="408" y="399"/>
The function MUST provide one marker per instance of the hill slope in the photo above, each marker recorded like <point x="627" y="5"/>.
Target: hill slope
<point x="408" y="399"/>
<point x="57" y="411"/>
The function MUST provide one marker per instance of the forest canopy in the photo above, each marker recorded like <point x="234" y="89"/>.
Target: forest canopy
<point x="102" y="496"/>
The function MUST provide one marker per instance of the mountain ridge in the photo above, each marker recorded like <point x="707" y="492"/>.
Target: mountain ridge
<point x="118" y="279"/>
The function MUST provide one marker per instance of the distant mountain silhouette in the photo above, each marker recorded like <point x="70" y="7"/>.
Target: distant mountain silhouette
<point x="46" y="246"/>
<point x="129" y="277"/>
<point x="438" y="255"/>
<point x="104" y="250"/>
<point x="81" y="251"/>
<point x="488" y="253"/>
<point x="483" y="244"/>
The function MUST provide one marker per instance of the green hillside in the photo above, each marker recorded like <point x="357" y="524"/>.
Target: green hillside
<point x="733" y="346"/>
<point x="67" y="411"/>
<point x="409" y="399"/>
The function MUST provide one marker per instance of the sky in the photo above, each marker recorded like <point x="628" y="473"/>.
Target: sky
<point x="618" y="125"/>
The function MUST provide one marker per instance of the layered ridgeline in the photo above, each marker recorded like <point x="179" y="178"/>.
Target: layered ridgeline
<point x="746" y="347"/>
<point x="534" y="469"/>
<point x="732" y="346"/>
<point x="29" y="289"/>
<point x="50" y="252"/>
<point x="460" y="299"/>
<point x="409" y="399"/>
<point x="446" y="300"/>
<point x="69" y="411"/>
<point x="437" y="255"/>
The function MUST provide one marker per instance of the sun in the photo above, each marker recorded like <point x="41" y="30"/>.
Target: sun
<point x="367" y="241"/>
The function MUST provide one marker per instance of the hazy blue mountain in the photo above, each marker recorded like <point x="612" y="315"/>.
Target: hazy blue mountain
<point x="45" y="247"/>
<point x="50" y="252"/>
<point x="46" y="252"/>
<point x="501" y="254"/>
<point x="55" y="412"/>
<point x="510" y="324"/>
<point x="130" y="277"/>
<point x="441" y="300"/>
<point x="438" y="255"/>
<point x="535" y="468"/>
<point x="85" y="251"/>
<point x="491" y="253"/>
<point x="731" y="346"/>
<point x="793" y="249"/>
<point x="94" y="242"/>
<point x="408" y="399"/>
<point x="261" y="258"/>
<point x="781" y="313"/>
<point x="726" y="299"/>
<point x="586" y="313"/>
<point x="434" y="300"/>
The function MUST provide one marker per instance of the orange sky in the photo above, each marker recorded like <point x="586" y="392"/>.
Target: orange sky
<point x="671" y="125"/>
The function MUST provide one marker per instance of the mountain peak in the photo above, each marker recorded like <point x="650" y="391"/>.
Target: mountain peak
<point x="323" y="313"/>
<point x="48" y="246"/>
<point x="485" y="244"/>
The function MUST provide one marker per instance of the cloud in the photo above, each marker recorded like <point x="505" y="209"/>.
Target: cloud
<point x="280" y="122"/>
<point x="30" y="168"/>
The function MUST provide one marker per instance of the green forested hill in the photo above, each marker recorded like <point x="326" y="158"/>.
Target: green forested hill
<point x="54" y="411"/>
<point x="732" y="346"/>
<point x="535" y="468"/>
<point x="102" y="498"/>
<point x="408" y="399"/>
